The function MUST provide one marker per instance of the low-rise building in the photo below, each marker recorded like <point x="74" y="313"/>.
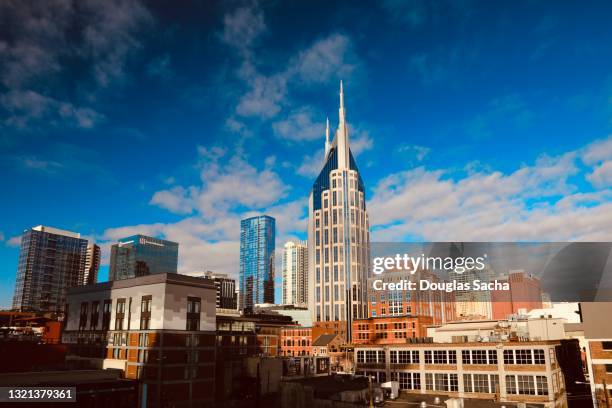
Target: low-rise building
<point x="506" y="372"/>
<point x="158" y="328"/>
<point x="517" y="328"/>
<point x="390" y="330"/>
<point x="296" y="341"/>
<point x="384" y="300"/>
<point x="598" y="338"/>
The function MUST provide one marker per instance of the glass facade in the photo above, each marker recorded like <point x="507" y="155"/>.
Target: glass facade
<point x="257" y="245"/>
<point x="140" y="255"/>
<point x="50" y="262"/>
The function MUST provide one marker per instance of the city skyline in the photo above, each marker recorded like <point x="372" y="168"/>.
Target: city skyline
<point x="526" y="157"/>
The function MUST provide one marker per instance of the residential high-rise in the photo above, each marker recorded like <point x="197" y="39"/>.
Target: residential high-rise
<point x="338" y="234"/>
<point x="92" y="265"/>
<point x="51" y="260"/>
<point x="158" y="329"/>
<point x="257" y="245"/>
<point x="139" y="255"/>
<point x="295" y="274"/>
<point x="226" y="290"/>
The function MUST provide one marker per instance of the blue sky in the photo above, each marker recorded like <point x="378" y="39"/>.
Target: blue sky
<point x="470" y="120"/>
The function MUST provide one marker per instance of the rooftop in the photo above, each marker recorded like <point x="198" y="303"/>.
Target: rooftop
<point x="156" y="278"/>
<point x="56" y="231"/>
<point x="466" y="344"/>
<point x="324" y="340"/>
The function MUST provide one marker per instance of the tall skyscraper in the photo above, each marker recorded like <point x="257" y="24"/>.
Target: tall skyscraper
<point x="92" y="265"/>
<point x="51" y="260"/>
<point x="338" y="234"/>
<point x="257" y="245"/>
<point x="295" y="274"/>
<point x="140" y="255"/>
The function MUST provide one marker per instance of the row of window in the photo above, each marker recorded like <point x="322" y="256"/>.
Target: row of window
<point x="477" y="383"/>
<point x="479" y="356"/>
<point x="404" y="356"/>
<point x="525" y="356"/>
<point x="296" y="343"/>
<point x="516" y="356"/>
<point x="192" y="318"/>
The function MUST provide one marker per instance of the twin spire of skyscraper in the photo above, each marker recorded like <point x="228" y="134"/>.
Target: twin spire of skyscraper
<point x="340" y="141"/>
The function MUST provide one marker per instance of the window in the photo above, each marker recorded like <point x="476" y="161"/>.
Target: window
<point x="524" y="356"/>
<point x="444" y="357"/>
<point x="95" y="313"/>
<point x="526" y="385"/>
<point x="479" y="356"/>
<point x="143" y="355"/>
<point x="370" y="356"/>
<point x="106" y="314"/>
<point x="83" y="316"/>
<point x="408" y="380"/>
<point x="145" y="312"/>
<point x="481" y="383"/>
<point x="360" y="356"/>
<point x="541" y="385"/>
<point x="119" y="314"/>
<point x="606" y="345"/>
<point x="442" y="382"/>
<point x="492" y="356"/>
<point x="193" y="313"/>
<point x="428" y="359"/>
<point x="608" y="368"/>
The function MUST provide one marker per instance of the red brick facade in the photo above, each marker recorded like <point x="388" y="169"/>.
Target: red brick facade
<point x="390" y="330"/>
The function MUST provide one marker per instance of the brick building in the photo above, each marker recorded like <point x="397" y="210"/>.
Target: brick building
<point x="390" y="330"/>
<point x="598" y="338"/>
<point x="239" y="337"/>
<point x="384" y="301"/>
<point x="296" y="341"/>
<point x="525" y="293"/>
<point x="158" y="328"/>
<point x="506" y="372"/>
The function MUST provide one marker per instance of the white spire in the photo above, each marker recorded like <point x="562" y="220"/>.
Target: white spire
<point x="341" y="113"/>
<point x="327" y="137"/>
<point x="342" y="134"/>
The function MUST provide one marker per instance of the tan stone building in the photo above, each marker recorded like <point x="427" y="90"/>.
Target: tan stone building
<point x="338" y="234"/>
<point x="506" y="372"/>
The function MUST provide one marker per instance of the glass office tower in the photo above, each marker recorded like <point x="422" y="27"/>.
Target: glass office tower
<point x="51" y="260"/>
<point x="257" y="245"/>
<point x="140" y="255"/>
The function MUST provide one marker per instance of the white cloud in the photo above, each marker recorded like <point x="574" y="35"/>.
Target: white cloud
<point x="490" y="205"/>
<point x="360" y="142"/>
<point x="311" y="164"/>
<point x="328" y="58"/>
<point x="29" y="107"/>
<point x="598" y="155"/>
<point x="14" y="241"/>
<point x="601" y="175"/>
<point x="99" y="35"/>
<point x="177" y="200"/>
<point x="242" y="27"/>
<point x="265" y="97"/>
<point x="300" y="125"/>
<point x="416" y="151"/>
<point x="266" y="93"/>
